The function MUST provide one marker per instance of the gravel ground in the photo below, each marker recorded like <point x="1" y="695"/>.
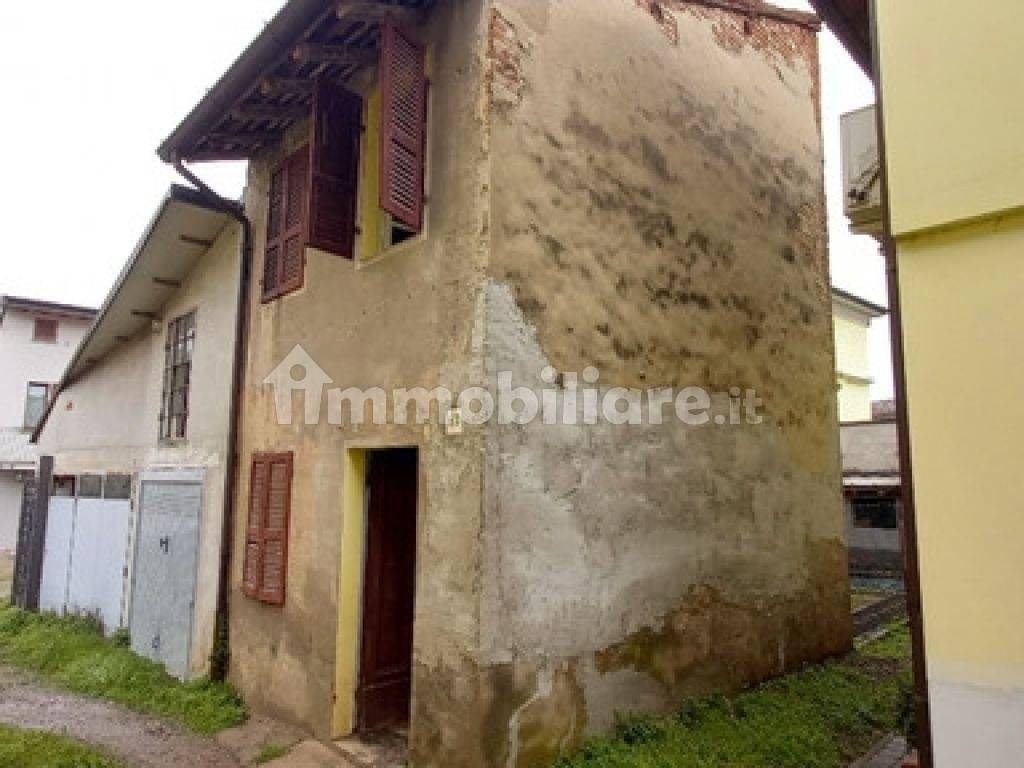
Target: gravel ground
<point x="140" y="740"/>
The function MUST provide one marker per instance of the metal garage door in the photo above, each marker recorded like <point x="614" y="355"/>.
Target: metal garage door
<point x="164" y="579"/>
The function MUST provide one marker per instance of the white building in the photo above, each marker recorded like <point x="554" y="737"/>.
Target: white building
<point x="139" y="439"/>
<point x="851" y="324"/>
<point x="37" y="339"/>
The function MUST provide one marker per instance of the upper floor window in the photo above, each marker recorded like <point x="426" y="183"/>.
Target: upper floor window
<point x="44" y="329"/>
<point x="314" y="195"/>
<point x="37" y="397"/>
<point x="174" y="402"/>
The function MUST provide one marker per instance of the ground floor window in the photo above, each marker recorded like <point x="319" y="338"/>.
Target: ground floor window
<point x="876" y="512"/>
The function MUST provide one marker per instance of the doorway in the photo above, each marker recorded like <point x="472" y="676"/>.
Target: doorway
<point x="389" y="584"/>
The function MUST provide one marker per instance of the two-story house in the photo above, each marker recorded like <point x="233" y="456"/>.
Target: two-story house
<point x="139" y="435"/>
<point x="443" y="196"/>
<point x="37" y="339"/>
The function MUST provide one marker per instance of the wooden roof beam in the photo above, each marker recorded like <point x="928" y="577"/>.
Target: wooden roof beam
<point x="281" y="86"/>
<point x="216" y="155"/>
<point x="269" y="111"/>
<point x="245" y="137"/>
<point x="373" y="13"/>
<point x="315" y="53"/>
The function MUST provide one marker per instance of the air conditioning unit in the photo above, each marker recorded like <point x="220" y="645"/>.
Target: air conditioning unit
<point x="862" y="190"/>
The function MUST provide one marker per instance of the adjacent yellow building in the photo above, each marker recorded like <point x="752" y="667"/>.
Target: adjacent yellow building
<point x="950" y="85"/>
<point x="952" y="114"/>
<point x="851" y="324"/>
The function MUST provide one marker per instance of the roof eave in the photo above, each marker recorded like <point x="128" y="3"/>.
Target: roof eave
<point x="176" y="194"/>
<point x="277" y="39"/>
<point x="863" y="304"/>
<point x="856" y="39"/>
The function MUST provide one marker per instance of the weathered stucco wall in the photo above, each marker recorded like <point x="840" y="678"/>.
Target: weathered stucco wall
<point x="657" y="213"/>
<point x="412" y="317"/>
<point x="107" y="421"/>
<point x="599" y="195"/>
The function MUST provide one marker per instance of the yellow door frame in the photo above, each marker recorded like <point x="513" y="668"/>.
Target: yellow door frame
<point x="350" y="592"/>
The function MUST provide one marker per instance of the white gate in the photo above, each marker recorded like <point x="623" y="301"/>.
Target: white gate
<point x="60" y="524"/>
<point x="85" y="558"/>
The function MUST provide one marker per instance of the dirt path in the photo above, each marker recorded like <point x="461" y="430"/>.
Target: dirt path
<point x="140" y="740"/>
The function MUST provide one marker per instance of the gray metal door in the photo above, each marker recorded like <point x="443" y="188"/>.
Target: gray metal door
<point x="164" y="579"/>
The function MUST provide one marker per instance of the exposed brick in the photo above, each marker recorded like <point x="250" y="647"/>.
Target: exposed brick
<point x="506" y="51"/>
<point x="663" y="16"/>
<point x="781" y="41"/>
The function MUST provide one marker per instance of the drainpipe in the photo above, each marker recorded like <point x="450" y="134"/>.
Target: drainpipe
<point x="221" y="648"/>
<point x="911" y="561"/>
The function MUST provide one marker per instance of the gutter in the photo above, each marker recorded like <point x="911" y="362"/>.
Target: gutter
<point x="911" y="554"/>
<point x="220" y="655"/>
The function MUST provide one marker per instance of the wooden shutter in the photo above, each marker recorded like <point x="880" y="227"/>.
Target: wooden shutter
<point x="334" y="177"/>
<point x="252" y="570"/>
<point x="284" y="257"/>
<point x="265" y="569"/>
<point x="403" y="86"/>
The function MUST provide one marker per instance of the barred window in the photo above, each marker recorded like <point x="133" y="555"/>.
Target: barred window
<point x="181" y="336"/>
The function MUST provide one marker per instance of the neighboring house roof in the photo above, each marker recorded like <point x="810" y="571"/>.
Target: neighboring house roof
<point x="849" y="20"/>
<point x="182" y="229"/>
<point x="868" y="307"/>
<point x="269" y="87"/>
<point x="16" y="452"/>
<point x="44" y="307"/>
<point x="870" y="453"/>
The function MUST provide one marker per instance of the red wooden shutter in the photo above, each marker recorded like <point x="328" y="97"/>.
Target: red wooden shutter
<point x="284" y="257"/>
<point x="275" y="530"/>
<point x="252" y="570"/>
<point x="334" y="177"/>
<point x="403" y="125"/>
<point x="275" y="217"/>
<point x="266" y="540"/>
<point x="293" y="253"/>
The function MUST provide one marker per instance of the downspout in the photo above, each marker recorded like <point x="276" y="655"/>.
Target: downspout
<point x="220" y="655"/>
<point x="911" y="555"/>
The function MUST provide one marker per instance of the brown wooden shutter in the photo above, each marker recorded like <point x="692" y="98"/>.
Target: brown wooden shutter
<point x="275" y="531"/>
<point x="275" y="217"/>
<point x="252" y="570"/>
<point x="293" y="253"/>
<point x="334" y="177"/>
<point x="284" y="257"/>
<point x="266" y="543"/>
<point x="403" y="125"/>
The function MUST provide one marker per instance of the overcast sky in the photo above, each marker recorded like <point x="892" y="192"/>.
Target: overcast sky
<point x="84" y="117"/>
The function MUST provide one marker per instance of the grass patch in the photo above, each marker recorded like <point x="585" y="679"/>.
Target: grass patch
<point x="270" y="752"/>
<point x="72" y="653"/>
<point x="6" y="575"/>
<point x="861" y="598"/>
<point x="30" y="749"/>
<point x="821" y="717"/>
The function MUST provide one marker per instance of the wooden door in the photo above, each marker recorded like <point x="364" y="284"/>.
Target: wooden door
<point x="385" y="672"/>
